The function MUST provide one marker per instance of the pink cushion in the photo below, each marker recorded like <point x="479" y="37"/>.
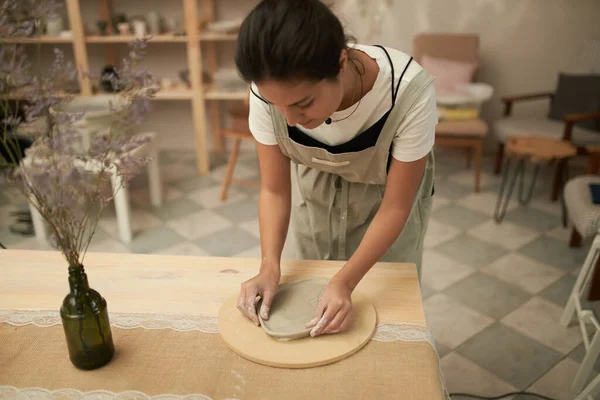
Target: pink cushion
<point x="449" y="74"/>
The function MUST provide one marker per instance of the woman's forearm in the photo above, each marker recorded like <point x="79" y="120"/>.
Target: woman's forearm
<point x="389" y="221"/>
<point x="380" y="236"/>
<point x="273" y="217"/>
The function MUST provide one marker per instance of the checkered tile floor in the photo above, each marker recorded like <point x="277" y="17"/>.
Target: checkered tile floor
<point x="493" y="294"/>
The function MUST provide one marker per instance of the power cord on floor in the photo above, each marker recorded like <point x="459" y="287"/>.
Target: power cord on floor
<point x="473" y="396"/>
<point x="2" y="246"/>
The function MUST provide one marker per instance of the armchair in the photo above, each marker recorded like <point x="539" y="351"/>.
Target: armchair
<point x="570" y="129"/>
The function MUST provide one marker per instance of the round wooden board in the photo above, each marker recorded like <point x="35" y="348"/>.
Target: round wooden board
<point x="253" y="343"/>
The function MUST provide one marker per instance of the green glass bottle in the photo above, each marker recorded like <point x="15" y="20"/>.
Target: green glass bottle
<point x="85" y="321"/>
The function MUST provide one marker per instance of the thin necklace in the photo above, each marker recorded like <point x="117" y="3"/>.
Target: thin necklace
<point x="359" y="100"/>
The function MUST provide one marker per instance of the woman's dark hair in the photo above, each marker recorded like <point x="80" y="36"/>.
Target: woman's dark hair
<point x="290" y="40"/>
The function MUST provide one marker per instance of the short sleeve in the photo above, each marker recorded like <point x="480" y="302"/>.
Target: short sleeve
<point x="416" y="135"/>
<point x="259" y="120"/>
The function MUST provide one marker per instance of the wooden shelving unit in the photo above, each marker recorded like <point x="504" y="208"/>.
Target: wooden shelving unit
<point x="200" y="46"/>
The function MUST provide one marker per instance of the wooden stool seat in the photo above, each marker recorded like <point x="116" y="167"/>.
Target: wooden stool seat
<point x="539" y="149"/>
<point x="536" y="150"/>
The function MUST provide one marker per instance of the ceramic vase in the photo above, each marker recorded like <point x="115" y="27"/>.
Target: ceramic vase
<point x="139" y="29"/>
<point x="102" y="27"/>
<point x="154" y="22"/>
<point x="124" y="28"/>
<point x="54" y="25"/>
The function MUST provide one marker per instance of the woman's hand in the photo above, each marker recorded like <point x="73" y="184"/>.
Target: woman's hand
<point x="334" y="312"/>
<point x="264" y="285"/>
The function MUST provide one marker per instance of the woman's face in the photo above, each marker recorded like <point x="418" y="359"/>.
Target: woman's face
<point x="307" y="104"/>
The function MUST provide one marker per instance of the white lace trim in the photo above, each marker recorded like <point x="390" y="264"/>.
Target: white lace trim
<point x="182" y="323"/>
<point x="11" y="392"/>
<point x="403" y="332"/>
<point x="186" y="323"/>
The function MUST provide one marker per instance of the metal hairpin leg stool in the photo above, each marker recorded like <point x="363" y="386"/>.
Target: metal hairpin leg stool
<point x="536" y="150"/>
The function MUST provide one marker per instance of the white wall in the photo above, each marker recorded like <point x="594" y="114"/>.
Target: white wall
<point x="524" y="43"/>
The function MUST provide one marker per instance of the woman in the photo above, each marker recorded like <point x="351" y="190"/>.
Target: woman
<point x="357" y="123"/>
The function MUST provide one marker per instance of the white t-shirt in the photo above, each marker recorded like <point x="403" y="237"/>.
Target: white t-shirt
<point x="415" y="136"/>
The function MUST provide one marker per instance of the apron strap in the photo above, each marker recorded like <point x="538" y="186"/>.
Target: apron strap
<point x="394" y="92"/>
<point x="262" y="99"/>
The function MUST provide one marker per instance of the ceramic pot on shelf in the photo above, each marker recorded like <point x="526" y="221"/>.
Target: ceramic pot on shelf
<point x="154" y="24"/>
<point x="172" y="24"/>
<point x="118" y="19"/>
<point x="54" y="25"/>
<point x="102" y="28"/>
<point x="124" y="28"/>
<point x="139" y="28"/>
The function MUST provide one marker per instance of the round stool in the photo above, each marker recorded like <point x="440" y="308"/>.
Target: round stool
<point x="537" y="151"/>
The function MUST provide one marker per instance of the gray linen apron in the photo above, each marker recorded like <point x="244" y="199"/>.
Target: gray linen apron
<point x="340" y="192"/>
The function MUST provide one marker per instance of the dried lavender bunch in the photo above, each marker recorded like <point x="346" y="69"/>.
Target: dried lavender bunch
<point x="55" y="174"/>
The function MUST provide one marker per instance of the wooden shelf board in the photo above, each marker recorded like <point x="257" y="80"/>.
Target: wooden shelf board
<point x="214" y="36"/>
<point x="38" y="39"/>
<point x="130" y="38"/>
<point x="174" y="95"/>
<point x="204" y="36"/>
<point x="164" y="95"/>
<point x="12" y="96"/>
<point x="20" y="95"/>
<point x="212" y="93"/>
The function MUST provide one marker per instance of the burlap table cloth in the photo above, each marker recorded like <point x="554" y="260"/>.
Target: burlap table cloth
<point x="163" y="312"/>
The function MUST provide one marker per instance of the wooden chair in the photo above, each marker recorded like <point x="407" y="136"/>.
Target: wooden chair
<point x="468" y="134"/>
<point x="239" y="131"/>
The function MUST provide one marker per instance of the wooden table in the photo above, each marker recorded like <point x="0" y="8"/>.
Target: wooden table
<point x="197" y="286"/>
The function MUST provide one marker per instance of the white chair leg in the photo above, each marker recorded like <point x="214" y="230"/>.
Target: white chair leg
<point x="154" y="180"/>
<point x="569" y="311"/>
<point x="39" y="225"/>
<point x="590" y="390"/>
<point x="588" y="363"/>
<point x="582" y="282"/>
<point x="122" y="208"/>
